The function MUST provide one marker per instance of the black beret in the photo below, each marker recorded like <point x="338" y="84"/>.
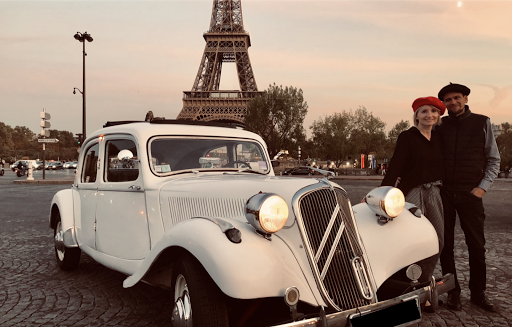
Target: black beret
<point x="450" y="88"/>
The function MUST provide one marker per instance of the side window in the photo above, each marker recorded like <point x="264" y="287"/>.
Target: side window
<point x="121" y="164"/>
<point x="90" y="164"/>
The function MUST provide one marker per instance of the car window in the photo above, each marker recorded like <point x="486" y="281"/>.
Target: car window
<point x="173" y="154"/>
<point x="122" y="164"/>
<point x="90" y="165"/>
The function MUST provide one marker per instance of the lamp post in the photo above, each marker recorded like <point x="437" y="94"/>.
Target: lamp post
<point x="82" y="37"/>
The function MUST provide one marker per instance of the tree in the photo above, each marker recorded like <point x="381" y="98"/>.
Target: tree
<point x="367" y="133"/>
<point x="504" y="142"/>
<point x="6" y="143"/>
<point x="393" y="137"/>
<point x="349" y="134"/>
<point x="278" y="117"/>
<point x="21" y="142"/>
<point x="330" y="136"/>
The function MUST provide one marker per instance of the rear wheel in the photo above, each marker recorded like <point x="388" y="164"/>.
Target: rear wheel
<point x="67" y="258"/>
<point x="198" y="301"/>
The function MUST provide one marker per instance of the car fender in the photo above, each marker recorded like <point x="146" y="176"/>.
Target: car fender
<point x="63" y="202"/>
<point x="386" y="245"/>
<point x="254" y="268"/>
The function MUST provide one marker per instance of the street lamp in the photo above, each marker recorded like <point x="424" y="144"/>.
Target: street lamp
<point x="82" y="37"/>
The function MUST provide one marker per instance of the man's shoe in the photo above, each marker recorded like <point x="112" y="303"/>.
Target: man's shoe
<point x="453" y="301"/>
<point x="482" y="301"/>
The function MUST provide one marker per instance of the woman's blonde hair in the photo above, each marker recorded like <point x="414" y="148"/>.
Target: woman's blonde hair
<point x="416" y="122"/>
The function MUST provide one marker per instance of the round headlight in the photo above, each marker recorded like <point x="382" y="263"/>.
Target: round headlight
<point x="394" y="202"/>
<point x="266" y="212"/>
<point x="386" y="201"/>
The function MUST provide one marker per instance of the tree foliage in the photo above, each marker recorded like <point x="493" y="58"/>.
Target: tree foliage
<point x="330" y="136"/>
<point x="278" y="117"/>
<point x="393" y="137"/>
<point x="20" y="142"/>
<point x="348" y="134"/>
<point x="504" y="141"/>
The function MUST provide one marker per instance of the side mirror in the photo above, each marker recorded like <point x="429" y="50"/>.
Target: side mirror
<point x="275" y="163"/>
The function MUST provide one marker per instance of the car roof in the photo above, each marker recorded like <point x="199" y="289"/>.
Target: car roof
<point x="145" y="130"/>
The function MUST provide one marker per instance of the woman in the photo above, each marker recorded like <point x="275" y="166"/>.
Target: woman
<point x="417" y="169"/>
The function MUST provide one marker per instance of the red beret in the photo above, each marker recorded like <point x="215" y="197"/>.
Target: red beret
<point x="431" y="101"/>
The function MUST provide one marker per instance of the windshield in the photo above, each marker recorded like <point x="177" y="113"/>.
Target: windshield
<point x="173" y="154"/>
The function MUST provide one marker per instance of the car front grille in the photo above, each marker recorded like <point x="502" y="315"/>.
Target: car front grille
<point x="335" y="253"/>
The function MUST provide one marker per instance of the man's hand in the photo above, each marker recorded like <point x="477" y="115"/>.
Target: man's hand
<point x="479" y="192"/>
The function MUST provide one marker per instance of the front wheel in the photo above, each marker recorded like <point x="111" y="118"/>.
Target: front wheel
<point x="198" y="301"/>
<point x="67" y="258"/>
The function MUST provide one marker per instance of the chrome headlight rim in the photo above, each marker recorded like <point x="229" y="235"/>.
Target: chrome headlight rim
<point x="253" y="212"/>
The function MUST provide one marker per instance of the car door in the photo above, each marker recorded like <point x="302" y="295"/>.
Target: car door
<point x="122" y="227"/>
<point x="85" y="192"/>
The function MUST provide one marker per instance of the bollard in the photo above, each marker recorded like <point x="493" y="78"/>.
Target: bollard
<point x="30" y="169"/>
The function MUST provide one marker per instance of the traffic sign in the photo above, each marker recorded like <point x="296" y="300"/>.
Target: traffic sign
<point x="45" y="124"/>
<point x="45" y="115"/>
<point x="48" y="140"/>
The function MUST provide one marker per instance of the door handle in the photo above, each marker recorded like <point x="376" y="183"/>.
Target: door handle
<point x="135" y="187"/>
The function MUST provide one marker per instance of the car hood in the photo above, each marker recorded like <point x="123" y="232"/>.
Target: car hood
<point x="223" y="195"/>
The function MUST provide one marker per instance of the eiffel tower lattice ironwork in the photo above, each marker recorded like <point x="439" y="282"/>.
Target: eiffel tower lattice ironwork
<point x="226" y="41"/>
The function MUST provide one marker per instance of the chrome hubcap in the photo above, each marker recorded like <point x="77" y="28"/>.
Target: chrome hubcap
<point x="182" y="311"/>
<point x="59" y="242"/>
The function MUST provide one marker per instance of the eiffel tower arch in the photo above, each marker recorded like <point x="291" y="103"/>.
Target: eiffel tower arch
<point x="226" y="41"/>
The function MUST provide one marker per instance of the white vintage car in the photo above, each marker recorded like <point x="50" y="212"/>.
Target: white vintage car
<point x="196" y="209"/>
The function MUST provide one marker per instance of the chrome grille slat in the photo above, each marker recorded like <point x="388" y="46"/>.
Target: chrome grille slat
<point x="329" y="231"/>
<point x="333" y="249"/>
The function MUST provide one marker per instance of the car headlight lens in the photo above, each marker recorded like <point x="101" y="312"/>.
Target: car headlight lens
<point x="266" y="212"/>
<point x="386" y="201"/>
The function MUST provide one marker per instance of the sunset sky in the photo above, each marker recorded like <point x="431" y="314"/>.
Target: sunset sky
<point x="342" y="54"/>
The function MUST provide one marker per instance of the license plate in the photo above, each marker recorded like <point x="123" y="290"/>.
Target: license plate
<point x="402" y="314"/>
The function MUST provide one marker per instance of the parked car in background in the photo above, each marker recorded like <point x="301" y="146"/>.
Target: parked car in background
<point x="67" y="165"/>
<point x="195" y="208"/>
<point x="55" y="165"/>
<point x="301" y="170"/>
<point x="74" y="164"/>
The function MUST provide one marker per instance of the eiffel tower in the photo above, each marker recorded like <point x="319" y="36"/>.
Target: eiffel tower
<point x="226" y="41"/>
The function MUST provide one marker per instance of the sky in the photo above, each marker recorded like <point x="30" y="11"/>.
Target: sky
<point x="343" y="54"/>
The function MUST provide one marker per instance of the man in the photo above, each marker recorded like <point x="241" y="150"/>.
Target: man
<point x="472" y="163"/>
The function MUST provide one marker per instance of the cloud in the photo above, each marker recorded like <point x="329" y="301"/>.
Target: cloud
<point x="500" y="95"/>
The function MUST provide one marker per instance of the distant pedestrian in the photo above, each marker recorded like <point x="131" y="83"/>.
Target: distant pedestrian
<point x="383" y="170"/>
<point x="417" y="167"/>
<point x="472" y="163"/>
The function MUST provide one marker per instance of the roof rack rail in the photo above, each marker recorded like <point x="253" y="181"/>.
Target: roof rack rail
<point x="178" y="122"/>
<point x="121" y="122"/>
<point x="197" y="122"/>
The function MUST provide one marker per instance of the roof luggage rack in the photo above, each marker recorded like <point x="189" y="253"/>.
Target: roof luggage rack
<point x="121" y="122"/>
<point x="177" y="122"/>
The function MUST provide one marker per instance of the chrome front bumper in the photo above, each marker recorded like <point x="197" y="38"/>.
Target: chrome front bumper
<point x="342" y="319"/>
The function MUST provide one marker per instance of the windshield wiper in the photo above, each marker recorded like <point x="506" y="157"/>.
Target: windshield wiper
<point x="247" y="170"/>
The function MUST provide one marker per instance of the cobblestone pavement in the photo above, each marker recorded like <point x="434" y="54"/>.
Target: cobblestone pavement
<point x="35" y="292"/>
